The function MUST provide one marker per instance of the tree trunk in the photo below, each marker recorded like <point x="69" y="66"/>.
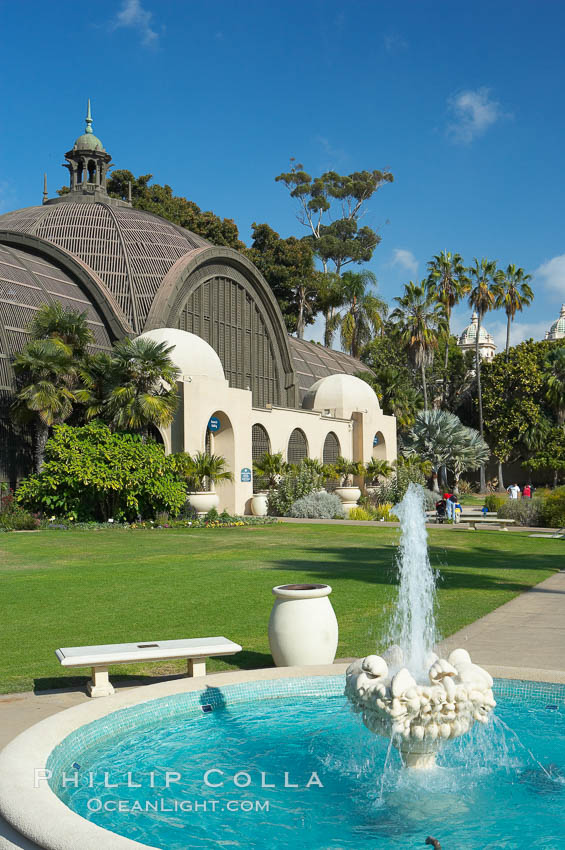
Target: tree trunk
<point x="446" y="362"/>
<point x="501" y="486"/>
<point x="554" y="479"/>
<point x="300" y="321"/>
<point x="424" y="388"/>
<point x="483" y="483"/>
<point x="435" y="485"/>
<point x="41" y="436"/>
<point x="508" y="334"/>
<point x="456" y="484"/>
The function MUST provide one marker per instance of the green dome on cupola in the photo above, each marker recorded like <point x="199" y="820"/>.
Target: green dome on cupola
<point x="88" y="141"/>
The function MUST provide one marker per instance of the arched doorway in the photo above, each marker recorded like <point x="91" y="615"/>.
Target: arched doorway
<point x="379" y="446"/>
<point x="220" y="441"/>
<point x="330" y="454"/>
<point x="297" y="446"/>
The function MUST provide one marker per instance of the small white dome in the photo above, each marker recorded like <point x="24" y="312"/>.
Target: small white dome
<point x="191" y="354"/>
<point x="341" y="395"/>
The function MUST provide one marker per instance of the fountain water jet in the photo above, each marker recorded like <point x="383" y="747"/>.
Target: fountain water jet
<point x="410" y="694"/>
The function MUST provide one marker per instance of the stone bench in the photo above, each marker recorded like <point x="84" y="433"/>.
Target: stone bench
<point x="504" y="523"/>
<point x="99" y="658"/>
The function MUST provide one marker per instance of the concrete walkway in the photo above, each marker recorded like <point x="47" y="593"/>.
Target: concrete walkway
<point x="523" y="639"/>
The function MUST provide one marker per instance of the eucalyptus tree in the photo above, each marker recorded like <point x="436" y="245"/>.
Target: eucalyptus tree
<point x="45" y="376"/>
<point x="365" y="313"/>
<point x="419" y="317"/>
<point x="143" y="391"/>
<point x="512" y="293"/>
<point x="483" y="276"/>
<point x="448" y="278"/>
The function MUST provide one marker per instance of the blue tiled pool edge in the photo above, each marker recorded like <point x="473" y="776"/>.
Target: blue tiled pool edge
<point x="140" y="715"/>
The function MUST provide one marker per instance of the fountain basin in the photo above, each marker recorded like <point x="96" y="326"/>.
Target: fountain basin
<point x="286" y="721"/>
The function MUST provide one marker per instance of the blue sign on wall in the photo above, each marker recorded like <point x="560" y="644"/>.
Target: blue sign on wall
<point x="246" y="474"/>
<point x="376" y="440"/>
<point x="214" y="424"/>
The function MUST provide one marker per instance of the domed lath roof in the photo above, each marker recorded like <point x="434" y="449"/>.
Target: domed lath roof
<point x="131" y="250"/>
<point x="557" y="329"/>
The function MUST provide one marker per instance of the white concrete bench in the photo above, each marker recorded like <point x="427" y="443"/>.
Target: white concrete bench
<point x="504" y="523"/>
<point x="99" y="658"/>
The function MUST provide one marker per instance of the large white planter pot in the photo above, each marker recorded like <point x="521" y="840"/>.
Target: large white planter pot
<point x="303" y="627"/>
<point x="204" y="502"/>
<point x="349" y="497"/>
<point x="259" y="505"/>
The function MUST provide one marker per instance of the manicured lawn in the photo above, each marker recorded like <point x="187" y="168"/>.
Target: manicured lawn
<point x="86" y="587"/>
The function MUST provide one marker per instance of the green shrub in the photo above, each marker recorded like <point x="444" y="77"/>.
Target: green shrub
<point x="465" y="487"/>
<point x="384" y="512"/>
<point x="360" y="514"/>
<point x="524" y="511"/>
<point x="319" y="505"/>
<point x="18" y="520"/>
<point x="494" y="502"/>
<point x="295" y="484"/>
<point x="553" y="510"/>
<point x="91" y="473"/>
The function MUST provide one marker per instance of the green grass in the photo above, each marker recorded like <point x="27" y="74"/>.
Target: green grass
<point x="86" y="587"/>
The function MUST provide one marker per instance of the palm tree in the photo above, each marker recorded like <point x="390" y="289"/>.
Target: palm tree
<point x="482" y="298"/>
<point x="365" y="314"/>
<point x="555" y="382"/>
<point x="376" y="468"/>
<point x="95" y="375"/>
<point x="397" y="395"/>
<point x="66" y="327"/>
<point x="512" y="292"/>
<point x="330" y="298"/>
<point x="270" y="468"/>
<point x="143" y="392"/>
<point x="448" y="278"/>
<point x="471" y="452"/>
<point x="203" y="470"/>
<point x="420" y="318"/>
<point x="45" y="374"/>
<point x="436" y="436"/>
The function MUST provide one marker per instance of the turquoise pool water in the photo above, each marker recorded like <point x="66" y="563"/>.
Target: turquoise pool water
<point x="292" y="767"/>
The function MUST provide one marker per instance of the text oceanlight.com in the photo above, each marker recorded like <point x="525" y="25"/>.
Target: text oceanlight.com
<point x="95" y="804"/>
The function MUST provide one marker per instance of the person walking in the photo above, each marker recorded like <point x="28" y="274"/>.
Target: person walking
<point x="514" y="491"/>
<point x="527" y="492"/>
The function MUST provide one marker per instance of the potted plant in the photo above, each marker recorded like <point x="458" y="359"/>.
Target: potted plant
<point x="202" y="471"/>
<point x="344" y="470"/>
<point x="270" y="468"/>
<point x="375" y="469"/>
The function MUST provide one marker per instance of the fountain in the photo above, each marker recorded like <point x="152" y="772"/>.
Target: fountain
<point x="409" y="694"/>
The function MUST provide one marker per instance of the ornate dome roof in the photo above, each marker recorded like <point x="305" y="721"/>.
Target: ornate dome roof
<point x="88" y="141"/>
<point x="469" y="334"/>
<point x="191" y="354"/>
<point x="130" y="250"/>
<point x="341" y="394"/>
<point x="557" y="329"/>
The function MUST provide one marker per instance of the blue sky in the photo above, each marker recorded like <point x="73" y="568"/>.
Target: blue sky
<point x="463" y="102"/>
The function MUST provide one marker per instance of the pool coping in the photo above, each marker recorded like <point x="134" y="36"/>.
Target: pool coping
<point x="40" y="815"/>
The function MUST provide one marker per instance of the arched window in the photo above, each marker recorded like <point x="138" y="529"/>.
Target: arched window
<point x="331" y="448"/>
<point x="260" y="443"/>
<point x="297" y="446"/>
<point x="91" y="172"/>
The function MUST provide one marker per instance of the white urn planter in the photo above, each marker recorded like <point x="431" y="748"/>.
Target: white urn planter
<point x="259" y="504"/>
<point x="204" y="501"/>
<point x="349" y="497"/>
<point x="303" y="627"/>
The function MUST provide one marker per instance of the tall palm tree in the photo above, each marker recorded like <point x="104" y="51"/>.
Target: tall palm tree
<point x="365" y="311"/>
<point x="95" y="375"/>
<point x="420" y="318"/>
<point x="513" y="293"/>
<point x="143" y="391"/>
<point x="482" y="297"/>
<point x="555" y="382"/>
<point x="66" y="327"/>
<point x="448" y="278"/>
<point x="45" y="375"/>
<point x="330" y="298"/>
<point x="397" y="395"/>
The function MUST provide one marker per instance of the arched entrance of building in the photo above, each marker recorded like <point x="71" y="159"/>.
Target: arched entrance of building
<point x="220" y="441"/>
<point x="379" y="446"/>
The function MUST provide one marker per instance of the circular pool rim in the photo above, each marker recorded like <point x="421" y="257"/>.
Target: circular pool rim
<point x="44" y="819"/>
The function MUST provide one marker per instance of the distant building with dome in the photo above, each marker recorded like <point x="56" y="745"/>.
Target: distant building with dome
<point x="468" y="339"/>
<point x="557" y="329"/>
<point x="247" y="387"/>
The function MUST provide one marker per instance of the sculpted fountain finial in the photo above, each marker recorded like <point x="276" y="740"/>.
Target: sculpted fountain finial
<point x="410" y="694"/>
